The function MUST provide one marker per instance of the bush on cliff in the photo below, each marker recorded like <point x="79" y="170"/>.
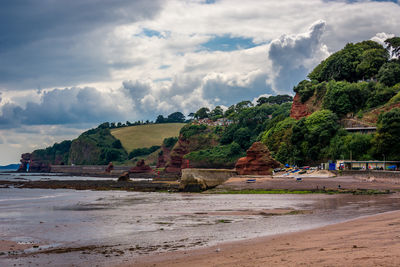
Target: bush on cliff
<point x="95" y="147"/>
<point x="56" y="154"/>
<point x="144" y="151"/>
<point x="224" y="156"/>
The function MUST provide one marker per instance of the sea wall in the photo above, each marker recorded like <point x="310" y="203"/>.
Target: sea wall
<point x="87" y="169"/>
<point x="202" y="179"/>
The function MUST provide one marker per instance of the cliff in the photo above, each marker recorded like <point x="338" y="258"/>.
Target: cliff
<point x="191" y="138"/>
<point x="258" y="161"/>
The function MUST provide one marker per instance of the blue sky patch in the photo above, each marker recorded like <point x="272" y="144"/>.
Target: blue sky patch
<point x="163" y="67"/>
<point x="151" y="33"/>
<point x="162" y="80"/>
<point x="228" y="43"/>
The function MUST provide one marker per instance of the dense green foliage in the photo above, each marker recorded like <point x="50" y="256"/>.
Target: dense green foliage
<point x="224" y="156"/>
<point x="337" y="84"/>
<point x="56" y="154"/>
<point x="387" y="139"/>
<point x="274" y="99"/>
<point x="170" y="142"/>
<point x="191" y="129"/>
<point x="144" y="151"/>
<point x="172" y="118"/>
<point x="389" y="73"/>
<point x="95" y="147"/>
<point x="354" y="62"/>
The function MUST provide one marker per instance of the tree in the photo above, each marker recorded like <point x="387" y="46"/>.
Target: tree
<point x="104" y="125"/>
<point x="394" y="45"/>
<point x="389" y="73"/>
<point x="160" y="119"/>
<point x="343" y="64"/>
<point x="371" y="61"/>
<point x="176" y="117"/>
<point x="243" y="104"/>
<point x="202" y="113"/>
<point x="343" y="97"/>
<point x="217" y="113"/>
<point x="278" y="99"/>
<point x="387" y="138"/>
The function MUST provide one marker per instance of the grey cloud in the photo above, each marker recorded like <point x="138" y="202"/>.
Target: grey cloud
<point x="289" y="54"/>
<point x="67" y="106"/>
<point x="60" y="43"/>
<point x="136" y="89"/>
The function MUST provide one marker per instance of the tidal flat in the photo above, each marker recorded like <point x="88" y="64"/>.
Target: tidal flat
<point x="64" y="227"/>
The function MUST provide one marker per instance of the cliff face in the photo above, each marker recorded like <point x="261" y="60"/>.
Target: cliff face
<point x="299" y="109"/>
<point x="163" y="157"/>
<point x="35" y="165"/>
<point x="258" y="161"/>
<point x="202" y="140"/>
<point x="93" y="147"/>
<point x="84" y="152"/>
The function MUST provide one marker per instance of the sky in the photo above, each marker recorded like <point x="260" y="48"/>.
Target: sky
<point x="67" y="66"/>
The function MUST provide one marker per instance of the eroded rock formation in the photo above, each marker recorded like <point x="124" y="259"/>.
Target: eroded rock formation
<point x="34" y="165"/>
<point x="141" y="167"/>
<point x="258" y="161"/>
<point x="163" y="157"/>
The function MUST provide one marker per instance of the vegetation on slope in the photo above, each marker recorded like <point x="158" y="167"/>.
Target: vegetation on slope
<point x="359" y="79"/>
<point x="95" y="147"/>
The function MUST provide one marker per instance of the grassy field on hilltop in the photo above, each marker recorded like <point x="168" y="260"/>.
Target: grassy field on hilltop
<point x="145" y="135"/>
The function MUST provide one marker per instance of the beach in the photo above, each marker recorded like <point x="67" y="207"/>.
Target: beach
<point x="368" y="241"/>
<point x="236" y="224"/>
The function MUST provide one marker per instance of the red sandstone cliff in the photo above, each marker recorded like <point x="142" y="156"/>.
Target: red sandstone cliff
<point x="299" y="109"/>
<point x="258" y="161"/>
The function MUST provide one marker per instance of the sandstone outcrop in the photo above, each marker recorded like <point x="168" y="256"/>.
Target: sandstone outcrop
<point x="299" y="109"/>
<point x="141" y="167"/>
<point x="163" y="157"/>
<point x="175" y="162"/>
<point x="34" y="165"/>
<point x="258" y="161"/>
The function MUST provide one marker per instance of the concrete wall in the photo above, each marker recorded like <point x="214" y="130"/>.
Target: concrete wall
<point x="205" y="178"/>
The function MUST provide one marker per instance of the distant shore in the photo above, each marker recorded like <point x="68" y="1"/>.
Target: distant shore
<point x="368" y="241"/>
<point x="340" y="184"/>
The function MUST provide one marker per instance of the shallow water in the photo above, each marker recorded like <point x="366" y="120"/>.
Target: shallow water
<point x="161" y="221"/>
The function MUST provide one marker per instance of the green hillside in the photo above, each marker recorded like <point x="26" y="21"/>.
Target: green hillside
<point x="145" y="135"/>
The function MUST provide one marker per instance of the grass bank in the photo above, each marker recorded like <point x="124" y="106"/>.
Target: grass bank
<point x="146" y="135"/>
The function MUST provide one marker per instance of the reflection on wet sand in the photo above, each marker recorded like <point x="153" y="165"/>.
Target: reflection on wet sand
<point x="104" y="227"/>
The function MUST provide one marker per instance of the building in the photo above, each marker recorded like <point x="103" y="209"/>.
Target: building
<point x="368" y="165"/>
<point x="363" y="130"/>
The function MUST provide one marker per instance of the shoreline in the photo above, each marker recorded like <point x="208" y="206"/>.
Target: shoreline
<point x="365" y="241"/>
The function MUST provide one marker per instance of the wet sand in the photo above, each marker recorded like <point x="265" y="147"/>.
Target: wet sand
<point x="308" y="183"/>
<point x="368" y="241"/>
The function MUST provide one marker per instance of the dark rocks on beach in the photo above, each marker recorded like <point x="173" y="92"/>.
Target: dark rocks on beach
<point x="258" y="161"/>
<point x="124" y="177"/>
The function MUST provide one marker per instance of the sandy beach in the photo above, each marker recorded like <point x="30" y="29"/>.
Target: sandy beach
<point x="368" y="241"/>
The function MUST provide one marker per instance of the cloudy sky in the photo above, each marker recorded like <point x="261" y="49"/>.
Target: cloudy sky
<point x="66" y="66"/>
